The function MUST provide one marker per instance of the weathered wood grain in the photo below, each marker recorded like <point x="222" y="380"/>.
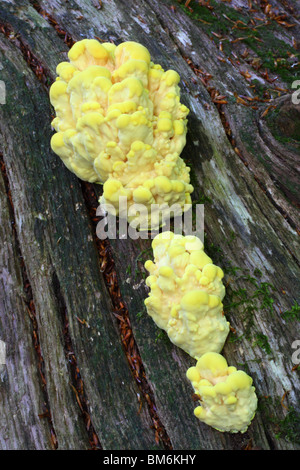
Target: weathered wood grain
<point x="246" y="231"/>
<point x="21" y="391"/>
<point x="63" y="268"/>
<point x="276" y="168"/>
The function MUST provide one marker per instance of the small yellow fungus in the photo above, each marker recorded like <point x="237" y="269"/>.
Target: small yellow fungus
<point x="189" y="310"/>
<point x="228" y="400"/>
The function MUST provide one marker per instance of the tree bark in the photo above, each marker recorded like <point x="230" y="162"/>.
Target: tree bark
<point x="95" y="390"/>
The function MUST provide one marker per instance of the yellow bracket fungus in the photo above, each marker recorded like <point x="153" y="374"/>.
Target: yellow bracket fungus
<point x="119" y="121"/>
<point x="228" y="400"/>
<point x="186" y="293"/>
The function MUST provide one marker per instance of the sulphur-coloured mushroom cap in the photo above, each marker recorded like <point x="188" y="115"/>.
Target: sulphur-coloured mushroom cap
<point x="227" y="397"/>
<point x="119" y="117"/>
<point x="186" y="292"/>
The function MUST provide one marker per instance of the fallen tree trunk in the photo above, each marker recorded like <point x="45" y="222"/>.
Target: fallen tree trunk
<point x="102" y="375"/>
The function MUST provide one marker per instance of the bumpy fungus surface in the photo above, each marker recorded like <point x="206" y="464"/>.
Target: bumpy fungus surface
<point x="119" y="121"/>
<point x="186" y="293"/>
<point x="228" y="400"/>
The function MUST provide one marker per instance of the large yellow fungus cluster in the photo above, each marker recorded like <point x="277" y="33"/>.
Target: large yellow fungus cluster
<point x="186" y="293"/>
<point x="227" y="398"/>
<point x="119" y="121"/>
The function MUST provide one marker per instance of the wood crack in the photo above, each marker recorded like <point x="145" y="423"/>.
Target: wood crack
<point x="41" y="72"/>
<point x="76" y="382"/>
<point x="66" y="37"/>
<point x="28" y="299"/>
<point x="122" y="315"/>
